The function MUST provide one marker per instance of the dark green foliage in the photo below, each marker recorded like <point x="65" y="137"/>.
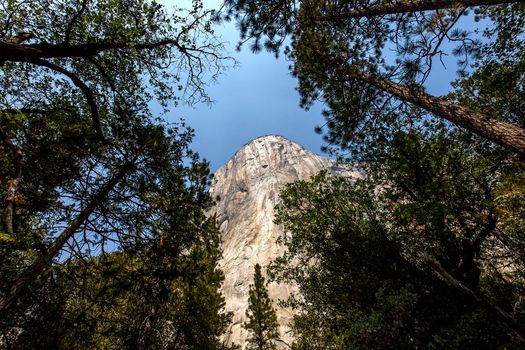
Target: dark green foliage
<point x="262" y="320"/>
<point x="333" y="43"/>
<point x="361" y="248"/>
<point x="418" y="254"/>
<point x="104" y="240"/>
<point x="160" y="290"/>
<point x="154" y="300"/>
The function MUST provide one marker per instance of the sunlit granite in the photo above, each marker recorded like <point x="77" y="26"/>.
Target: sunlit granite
<point x="248" y="187"/>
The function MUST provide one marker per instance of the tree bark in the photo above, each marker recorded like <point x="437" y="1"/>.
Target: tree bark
<point x="147" y="327"/>
<point x="25" y="53"/>
<point x="501" y="314"/>
<point x="504" y="134"/>
<point x="43" y="260"/>
<point x="12" y="185"/>
<point x="410" y="6"/>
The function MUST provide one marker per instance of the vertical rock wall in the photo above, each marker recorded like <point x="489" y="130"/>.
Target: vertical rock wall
<point x="248" y="187"/>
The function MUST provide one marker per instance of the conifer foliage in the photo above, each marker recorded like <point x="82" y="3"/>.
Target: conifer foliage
<point x="104" y="241"/>
<point x="368" y="61"/>
<point x="262" y="319"/>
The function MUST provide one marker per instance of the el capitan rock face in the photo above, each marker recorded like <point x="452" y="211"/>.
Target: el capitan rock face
<point x="248" y="187"/>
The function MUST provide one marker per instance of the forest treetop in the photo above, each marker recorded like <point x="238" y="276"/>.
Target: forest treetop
<point x="93" y="184"/>
<point x="105" y="56"/>
<point x="368" y="61"/>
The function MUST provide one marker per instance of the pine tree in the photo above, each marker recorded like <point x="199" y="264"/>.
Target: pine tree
<point x="339" y="51"/>
<point x="373" y="271"/>
<point x="262" y="319"/>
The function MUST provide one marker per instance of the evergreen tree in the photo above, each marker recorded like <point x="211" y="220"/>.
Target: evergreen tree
<point x="103" y="238"/>
<point x="262" y="319"/>
<point x="339" y="54"/>
<point x="425" y="252"/>
<point x="135" y="268"/>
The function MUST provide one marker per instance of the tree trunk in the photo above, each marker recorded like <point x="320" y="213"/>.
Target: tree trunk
<point x="44" y="259"/>
<point x="501" y="314"/>
<point x="12" y="186"/>
<point x="409" y="6"/>
<point x="147" y="328"/>
<point x="15" y="52"/>
<point x="504" y="134"/>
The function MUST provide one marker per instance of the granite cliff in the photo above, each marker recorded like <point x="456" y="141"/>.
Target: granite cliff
<point x="248" y="188"/>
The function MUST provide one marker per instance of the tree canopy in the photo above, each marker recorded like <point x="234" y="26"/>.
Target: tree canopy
<point x="143" y="196"/>
<point x="369" y="61"/>
<point x="104" y="240"/>
<point x="424" y="251"/>
<point x="102" y="58"/>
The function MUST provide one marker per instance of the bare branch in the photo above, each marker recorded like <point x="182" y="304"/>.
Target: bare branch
<point x="25" y="53"/>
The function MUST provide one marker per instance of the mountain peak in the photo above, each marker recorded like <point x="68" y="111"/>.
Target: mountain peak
<point x="267" y="142"/>
<point x="267" y="152"/>
<point x="248" y="188"/>
<point x="271" y="138"/>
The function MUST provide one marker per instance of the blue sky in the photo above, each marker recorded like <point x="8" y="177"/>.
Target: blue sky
<point x="257" y="98"/>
